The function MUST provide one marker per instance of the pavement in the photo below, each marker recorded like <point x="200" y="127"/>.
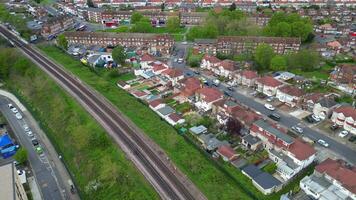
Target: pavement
<point x="287" y="120"/>
<point x="49" y="172"/>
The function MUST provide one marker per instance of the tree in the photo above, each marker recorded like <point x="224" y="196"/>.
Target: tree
<point x="194" y="61"/>
<point x="62" y="41"/>
<point x="136" y="17"/>
<point x="90" y="3"/>
<point x="173" y="24"/>
<point x="270" y="168"/>
<point x="278" y="63"/>
<point x="233" y="126"/>
<point x="119" y="54"/>
<point x="305" y="60"/>
<point x="232" y="7"/>
<point x="163" y="6"/>
<point x="263" y="56"/>
<point x="283" y="29"/>
<point x="21" y="155"/>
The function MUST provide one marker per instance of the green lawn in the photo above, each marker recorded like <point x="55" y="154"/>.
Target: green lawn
<point x="87" y="151"/>
<point x="322" y="73"/>
<point x="126" y="76"/>
<point x="214" y="183"/>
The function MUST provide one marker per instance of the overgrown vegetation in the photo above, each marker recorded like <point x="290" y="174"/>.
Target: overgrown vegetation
<point x="92" y="158"/>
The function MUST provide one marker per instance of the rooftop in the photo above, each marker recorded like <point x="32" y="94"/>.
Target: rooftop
<point x="7" y="189"/>
<point x="166" y="110"/>
<point x="277" y="133"/>
<point x="251" y="139"/>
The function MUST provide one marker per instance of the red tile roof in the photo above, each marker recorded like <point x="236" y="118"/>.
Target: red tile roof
<point x="301" y="150"/>
<point x="175" y="117"/>
<point x="190" y="86"/>
<point x="313" y="97"/>
<point x="227" y="152"/>
<point x="158" y="67"/>
<point x="155" y="103"/>
<point x="337" y="169"/>
<point x="347" y="111"/>
<point x="211" y="59"/>
<point x="147" y="58"/>
<point x="209" y="94"/>
<point x="227" y="65"/>
<point x="269" y="81"/>
<point x="249" y="74"/>
<point x="291" y="90"/>
<point x="173" y="72"/>
<point x="245" y="116"/>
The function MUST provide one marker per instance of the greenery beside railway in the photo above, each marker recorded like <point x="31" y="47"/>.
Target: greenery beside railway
<point x="92" y="158"/>
<point x="212" y="181"/>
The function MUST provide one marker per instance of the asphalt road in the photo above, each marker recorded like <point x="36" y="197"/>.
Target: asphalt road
<point x="286" y="120"/>
<point x="44" y="173"/>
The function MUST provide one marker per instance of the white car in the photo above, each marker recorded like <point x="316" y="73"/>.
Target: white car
<point x="323" y="143"/>
<point x="25" y="127"/>
<point x="29" y="133"/>
<point x="297" y="129"/>
<point x="316" y="118"/>
<point x="18" y="116"/>
<point x="343" y="133"/>
<point x="269" y="107"/>
<point x="10" y="105"/>
<point x="14" y="110"/>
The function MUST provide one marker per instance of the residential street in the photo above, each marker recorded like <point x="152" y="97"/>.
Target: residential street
<point x="43" y="166"/>
<point x="286" y="119"/>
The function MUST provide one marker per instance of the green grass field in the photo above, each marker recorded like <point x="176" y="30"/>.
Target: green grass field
<point x="87" y="151"/>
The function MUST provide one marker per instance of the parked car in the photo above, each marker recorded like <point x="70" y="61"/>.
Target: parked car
<point x="34" y="142"/>
<point x="316" y="118"/>
<point x="18" y="116"/>
<point x="274" y="116"/>
<point x="343" y="133"/>
<point x="297" y="129"/>
<point x="10" y="106"/>
<point x="25" y="127"/>
<point x="216" y="82"/>
<point x="334" y="127"/>
<point x="254" y="93"/>
<point x="29" y="133"/>
<point x="310" y="119"/>
<point x="39" y="150"/>
<point x="230" y="88"/>
<point x="180" y="60"/>
<point x="323" y="143"/>
<point x="269" y="107"/>
<point x="14" y="110"/>
<point x="352" y="138"/>
<point x="227" y="93"/>
<point x="270" y="99"/>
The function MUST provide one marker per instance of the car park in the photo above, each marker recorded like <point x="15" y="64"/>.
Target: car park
<point x="18" y="116"/>
<point x="274" y="116"/>
<point x="269" y="106"/>
<point x="343" y="133"/>
<point x="323" y="143"/>
<point x="297" y="129"/>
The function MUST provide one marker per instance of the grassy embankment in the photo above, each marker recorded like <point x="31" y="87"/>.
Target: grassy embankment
<point x="88" y="152"/>
<point x="214" y="182"/>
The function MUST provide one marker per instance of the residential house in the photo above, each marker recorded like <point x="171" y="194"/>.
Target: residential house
<point x="209" y="62"/>
<point x="290" y="95"/>
<point x="268" y="85"/>
<point x="187" y="89"/>
<point x="324" y="106"/>
<point x="225" y="68"/>
<point x="344" y="76"/>
<point x="210" y="142"/>
<point x="158" y="67"/>
<point x="227" y="153"/>
<point x="310" y="99"/>
<point x="139" y="94"/>
<point x="251" y="142"/>
<point x="192" y="18"/>
<point x="246" y="78"/>
<point x="332" y="179"/>
<point x="156" y="104"/>
<point x="146" y="61"/>
<point x="156" y="44"/>
<point x="263" y="181"/>
<point x="205" y="46"/>
<point x="345" y="116"/>
<point x="205" y="97"/>
<point x="57" y="25"/>
<point x="165" y="111"/>
<point x="290" y="155"/>
<point x="175" y="119"/>
<point x="173" y="75"/>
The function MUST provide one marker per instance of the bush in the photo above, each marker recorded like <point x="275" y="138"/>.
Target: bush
<point x="21" y="155"/>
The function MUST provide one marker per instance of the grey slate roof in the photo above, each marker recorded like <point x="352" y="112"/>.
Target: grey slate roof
<point x="252" y="171"/>
<point x="266" y="180"/>
<point x="327" y="102"/>
<point x="266" y="126"/>
<point x="251" y="139"/>
<point x="166" y="110"/>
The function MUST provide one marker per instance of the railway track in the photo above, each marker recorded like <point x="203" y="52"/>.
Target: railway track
<point x="166" y="183"/>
